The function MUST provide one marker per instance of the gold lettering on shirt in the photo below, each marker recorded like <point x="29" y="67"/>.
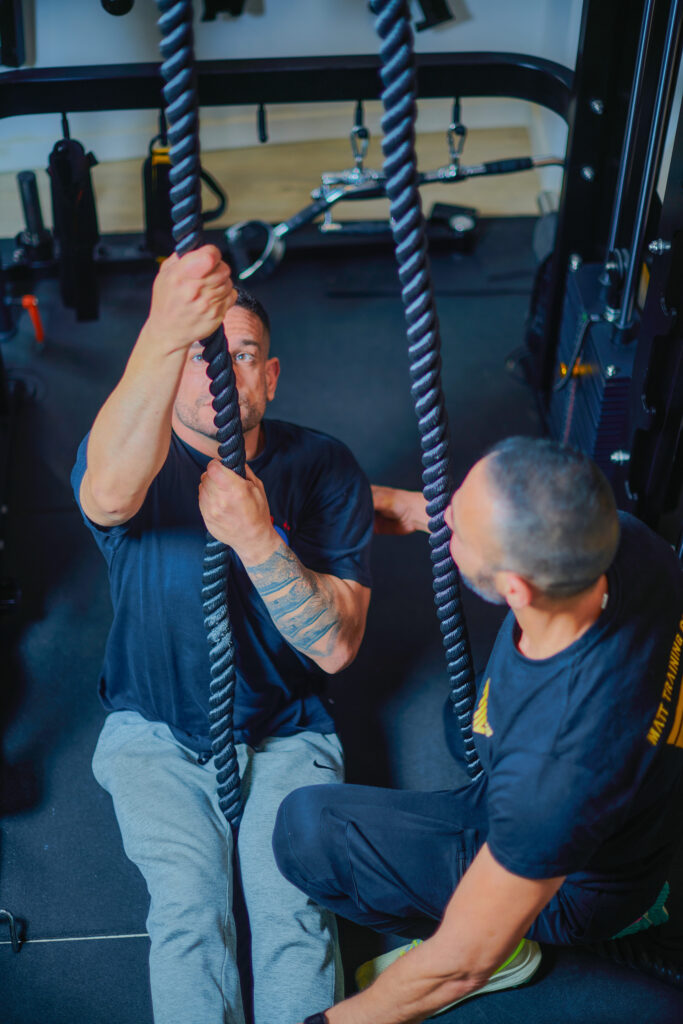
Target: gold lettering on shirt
<point x="480" y="722"/>
<point x="663" y="712"/>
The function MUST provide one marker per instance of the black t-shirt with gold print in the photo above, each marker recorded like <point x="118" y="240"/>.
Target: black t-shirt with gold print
<point x="584" y="751"/>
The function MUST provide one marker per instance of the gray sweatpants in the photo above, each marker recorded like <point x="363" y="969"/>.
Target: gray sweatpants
<point x="176" y="834"/>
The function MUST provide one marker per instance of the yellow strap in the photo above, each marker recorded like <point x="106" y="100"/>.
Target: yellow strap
<point x="160" y="155"/>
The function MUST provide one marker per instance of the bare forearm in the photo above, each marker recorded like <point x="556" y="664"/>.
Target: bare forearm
<point x="319" y="614"/>
<point x="489" y="912"/>
<point x="313" y="612"/>
<point x="131" y="434"/>
<point x="130" y="437"/>
<point x="412" y="990"/>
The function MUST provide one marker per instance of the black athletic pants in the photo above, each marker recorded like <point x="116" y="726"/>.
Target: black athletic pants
<point x="391" y="859"/>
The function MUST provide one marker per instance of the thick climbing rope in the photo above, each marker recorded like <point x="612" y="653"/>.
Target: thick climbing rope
<point x="399" y="94"/>
<point x="182" y="116"/>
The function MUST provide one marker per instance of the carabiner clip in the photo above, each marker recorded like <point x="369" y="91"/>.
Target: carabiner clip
<point x="456" y="135"/>
<point x="360" y="137"/>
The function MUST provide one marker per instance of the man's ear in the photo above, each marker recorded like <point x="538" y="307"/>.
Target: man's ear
<point x="517" y="591"/>
<point x="272" y="376"/>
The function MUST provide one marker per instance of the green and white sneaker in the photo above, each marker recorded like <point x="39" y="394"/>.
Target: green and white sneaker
<point x="519" y="967"/>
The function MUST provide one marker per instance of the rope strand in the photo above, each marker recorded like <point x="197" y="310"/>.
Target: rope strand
<point x="424" y="346"/>
<point x="182" y="115"/>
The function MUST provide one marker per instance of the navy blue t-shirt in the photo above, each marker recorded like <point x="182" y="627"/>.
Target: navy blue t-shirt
<point x="156" y="660"/>
<point x="583" y="750"/>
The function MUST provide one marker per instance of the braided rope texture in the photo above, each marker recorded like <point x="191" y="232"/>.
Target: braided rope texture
<point x="399" y="92"/>
<point x="180" y="97"/>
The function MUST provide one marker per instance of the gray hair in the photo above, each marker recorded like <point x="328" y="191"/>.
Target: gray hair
<point x="554" y="513"/>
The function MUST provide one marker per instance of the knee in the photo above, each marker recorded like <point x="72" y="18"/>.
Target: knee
<point x="299" y="842"/>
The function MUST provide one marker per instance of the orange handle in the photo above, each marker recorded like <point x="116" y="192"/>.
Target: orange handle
<point x="30" y="304"/>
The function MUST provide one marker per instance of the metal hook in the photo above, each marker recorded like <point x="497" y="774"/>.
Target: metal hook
<point x="456" y="135"/>
<point x="360" y="137"/>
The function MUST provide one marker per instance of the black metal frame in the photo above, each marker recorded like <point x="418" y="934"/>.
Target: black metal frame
<point x="284" y="80"/>
<point x="653" y="479"/>
<point x="656" y="468"/>
<point x="597" y="119"/>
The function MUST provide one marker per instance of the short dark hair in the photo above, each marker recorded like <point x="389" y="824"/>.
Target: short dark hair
<point x="556" y="518"/>
<point x="249" y="302"/>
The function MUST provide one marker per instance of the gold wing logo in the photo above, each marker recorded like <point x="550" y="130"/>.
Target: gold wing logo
<point x="480" y="722"/>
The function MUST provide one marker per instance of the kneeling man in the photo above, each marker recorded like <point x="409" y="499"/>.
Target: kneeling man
<point x="568" y="834"/>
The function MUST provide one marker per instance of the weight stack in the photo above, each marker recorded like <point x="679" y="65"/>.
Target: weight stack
<point x="591" y="411"/>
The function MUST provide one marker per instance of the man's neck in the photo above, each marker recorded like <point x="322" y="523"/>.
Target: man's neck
<point x="254" y="440"/>
<point x="547" y="628"/>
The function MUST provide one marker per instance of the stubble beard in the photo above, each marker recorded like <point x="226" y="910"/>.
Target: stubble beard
<point x="251" y="415"/>
<point x="200" y="417"/>
<point x="483" y="586"/>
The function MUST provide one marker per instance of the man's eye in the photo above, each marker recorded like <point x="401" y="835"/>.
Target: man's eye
<point x="244" y="357"/>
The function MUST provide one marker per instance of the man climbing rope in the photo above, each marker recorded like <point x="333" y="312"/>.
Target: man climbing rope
<point x="149" y="484"/>
<point x="568" y="835"/>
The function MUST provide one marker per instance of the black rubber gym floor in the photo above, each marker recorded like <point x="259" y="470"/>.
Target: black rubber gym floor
<point x="338" y="329"/>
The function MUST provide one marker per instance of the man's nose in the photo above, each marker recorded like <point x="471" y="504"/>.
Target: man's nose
<point x="238" y="372"/>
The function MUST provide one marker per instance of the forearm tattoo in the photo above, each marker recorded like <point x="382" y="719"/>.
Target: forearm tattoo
<point x="301" y="605"/>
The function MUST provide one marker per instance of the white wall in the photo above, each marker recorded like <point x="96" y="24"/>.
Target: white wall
<point x="79" y="31"/>
<point x="73" y="32"/>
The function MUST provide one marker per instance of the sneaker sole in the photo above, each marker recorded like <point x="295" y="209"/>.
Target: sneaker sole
<point x="522" y="969"/>
<point x="519" y="970"/>
<point x="371" y="969"/>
